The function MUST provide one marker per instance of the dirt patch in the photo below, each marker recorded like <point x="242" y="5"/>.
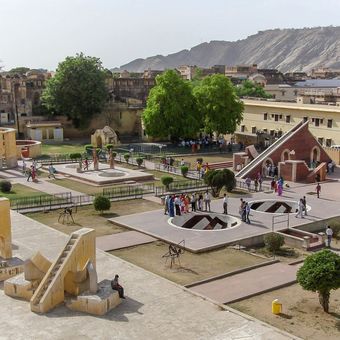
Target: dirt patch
<point x="302" y="314"/>
<point x="193" y="267"/>
<point x="87" y="217"/>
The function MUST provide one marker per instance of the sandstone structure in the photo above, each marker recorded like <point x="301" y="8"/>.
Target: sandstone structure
<point x="104" y="136"/>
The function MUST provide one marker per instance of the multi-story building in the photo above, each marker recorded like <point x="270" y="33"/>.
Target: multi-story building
<point x="268" y="119"/>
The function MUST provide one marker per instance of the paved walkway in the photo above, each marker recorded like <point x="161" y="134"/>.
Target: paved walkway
<point x="122" y="240"/>
<point x="248" y="283"/>
<point x="155" y="308"/>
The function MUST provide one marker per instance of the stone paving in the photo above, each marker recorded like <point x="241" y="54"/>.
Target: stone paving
<point x="248" y="283"/>
<point x="122" y="240"/>
<point x="155" y="308"/>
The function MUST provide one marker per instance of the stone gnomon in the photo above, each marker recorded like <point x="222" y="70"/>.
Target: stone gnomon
<point x="71" y="278"/>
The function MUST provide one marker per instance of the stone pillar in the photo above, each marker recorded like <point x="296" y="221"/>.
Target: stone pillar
<point x="306" y="242"/>
<point x="95" y="158"/>
<point x="111" y="160"/>
<point x="5" y="229"/>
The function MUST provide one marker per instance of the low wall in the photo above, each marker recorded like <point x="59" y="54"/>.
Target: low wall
<point x="28" y="148"/>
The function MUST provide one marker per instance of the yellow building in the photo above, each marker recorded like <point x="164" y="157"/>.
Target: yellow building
<point x="268" y="118"/>
<point x="8" y="150"/>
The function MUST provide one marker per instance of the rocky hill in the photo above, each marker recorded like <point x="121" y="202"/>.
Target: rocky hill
<point x="285" y="49"/>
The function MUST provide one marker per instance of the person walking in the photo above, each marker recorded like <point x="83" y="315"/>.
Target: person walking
<point x="29" y="173"/>
<point x="24" y="167"/>
<point x="200" y="202"/>
<point x="225" y="204"/>
<point x="51" y="171"/>
<point x="193" y="202"/>
<point x="166" y="204"/>
<point x="116" y="286"/>
<point x="300" y="209"/>
<point x="242" y="210"/>
<point x="247" y="212"/>
<point x="318" y="190"/>
<point x="207" y="200"/>
<point x="171" y="206"/>
<point x="304" y="201"/>
<point x="329" y="233"/>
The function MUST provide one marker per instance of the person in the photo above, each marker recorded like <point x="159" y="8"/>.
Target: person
<point x="207" y="200"/>
<point x="166" y="204"/>
<point x="225" y="204"/>
<point x="178" y="206"/>
<point x="116" y="286"/>
<point x="247" y="212"/>
<point x="171" y="207"/>
<point x="186" y="203"/>
<point x="248" y="182"/>
<point x="24" y="167"/>
<point x="182" y="162"/>
<point x="193" y="202"/>
<point x="86" y="164"/>
<point x="29" y="173"/>
<point x="329" y="167"/>
<point x="329" y="233"/>
<point x="200" y="202"/>
<point x="260" y="182"/>
<point x="318" y="190"/>
<point x="280" y="186"/>
<point x="256" y="183"/>
<point x="304" y="201"/>
<point x="51" y="171"/>
<point x="242" y="210"/>
<point x="300" y="209"/>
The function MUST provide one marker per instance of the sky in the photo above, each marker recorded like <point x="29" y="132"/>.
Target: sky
<point x="41" y="33"/>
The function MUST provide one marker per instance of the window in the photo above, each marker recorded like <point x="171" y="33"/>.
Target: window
<point x="320" y="140"/>
<point x="276" y="118"/>
<point x="288" y="119"/>
<point x="272" y="132"/>
<point x="253" y="129"/>
<point x="280" y="116"/>
<point x="265" y="116"/>
<point x="305" y="119"/>
<point x="328" y="142"/>
<point x="242" y="128"/>
<point x="329" y="123"/>
<point x="295" y="92"/>
<point x="283" y="93"/>
<point x="317" y="122"/>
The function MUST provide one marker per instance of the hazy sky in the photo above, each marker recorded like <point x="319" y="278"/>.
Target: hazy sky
<point x="41" y="33"/>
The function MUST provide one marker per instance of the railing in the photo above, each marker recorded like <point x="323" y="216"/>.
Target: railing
<point x="135" y="191"/>
<point x="242" y="185"/>
<point x="180" y="186"/>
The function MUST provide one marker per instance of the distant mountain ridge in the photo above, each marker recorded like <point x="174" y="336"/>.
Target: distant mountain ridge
<point x="285" y="49"/>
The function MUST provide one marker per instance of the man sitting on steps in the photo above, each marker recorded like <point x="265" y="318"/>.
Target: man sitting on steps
<point x="116" y="286"/>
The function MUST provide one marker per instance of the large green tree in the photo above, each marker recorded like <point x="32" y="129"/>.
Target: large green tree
<point x="218" y="103"/>
<point x="171" y="108"/>
<point x="321" y="273"/>
<point x="251" y="89"/>
<point x="217" y="179"/>
<point x="77" y="90"/>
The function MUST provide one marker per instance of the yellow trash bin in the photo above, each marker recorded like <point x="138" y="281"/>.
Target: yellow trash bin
<point x="276" y="307"/>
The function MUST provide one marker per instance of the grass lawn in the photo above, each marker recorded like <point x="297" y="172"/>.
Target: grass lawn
<point x="19" y="191"/>
<point x="49" y="149"/>
<point x="87" y="217"/>
<point x="194" y="267"/>
<point x="192" y="159"/>
<point x="85" y="188"/>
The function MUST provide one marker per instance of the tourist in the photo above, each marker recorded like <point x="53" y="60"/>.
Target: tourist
<point x="256" y="183"/>
<point x="225" y="204"/>
<point x="329" y="167"/>
<point x="29" y="173"/>
<point x="207" y="200"/>
<point x="33" y="172"/>
<point x="318" y="190"/>
<point x="51" y="171"/>
<point x="260" y="181"/>
<point x="304" y="201"/>
<point x="248" y="182"/>
<point x="300" y="209"/>
<point x="182" y="162"/>
<point x="200" y="202"/>
<point x="177" y="205"/>
<point x="280" y="186"/>
<point x="186" y="203"/>
<point x="333" y="166"/>
<point x="193" y="202"/>
<point x="116" y="286"/>
<point x="171" y="207"/>
<point x="166" y="204"/>
<point x="24" y="167"/>
<point x="329" y="233"/>
<point x="86" y="164"/>
<point x="242" y="210"/>
<point x="247" y="212"/>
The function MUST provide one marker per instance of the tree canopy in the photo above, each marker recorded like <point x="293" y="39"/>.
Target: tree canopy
<point x="251" y="89"/>
<point x="77" y="90"/>
<point x="218" y="103"/>
<point x="19" y="70"/>
<point x="320" y="273"/>
<point x="217" y="179"/>
<point x="171" y="108"/>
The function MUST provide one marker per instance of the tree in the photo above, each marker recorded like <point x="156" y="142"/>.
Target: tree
<point x="217" y="179"/>
<point x="274" y="242"/>
<point x="251" y="89"/>
<point x="321" y="273"/>
<point x="77" y="90"/>
<point x="171" y="108"/>
<point x="184" y="170"/>
<point x="19" y="70"/>
<point x="218" y="103"/>
<point x="166" y="181"/>
<point x="101" y="203"/>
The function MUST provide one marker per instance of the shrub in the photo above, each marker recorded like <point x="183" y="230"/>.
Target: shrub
<point x="5" y="186"/>
<point x="217" y="179"/>
<point x="75" y="155"/>
<point x="167" y="180"/>
<point x="184" y="170"/>
<point x="139" y="161"/>
<point x="127" y="157"/>
<point x="336" y="229"/>
<point x="88" y="147"/>
<point x="274" y="241"/>
<point x="101" y="203"/>
<point x="109" y="146"/>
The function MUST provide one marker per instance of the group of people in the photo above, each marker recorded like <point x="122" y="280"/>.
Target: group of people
<point x="277" y="185"/>
<point x="270" y="170"/>
<point x="244" y="211"/>
<point x="258" y="180"/>
<point x="302" y="207"/>
<point x="31" y="171"/>
<point x="183" y="203"/>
